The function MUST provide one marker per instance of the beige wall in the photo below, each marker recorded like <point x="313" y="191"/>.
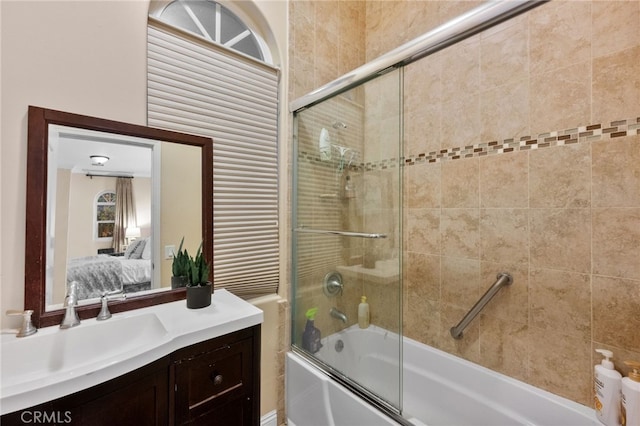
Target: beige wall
<point x="181" y="206"/>
<point x="86" y="57"/>
<point x="561" y="212"/>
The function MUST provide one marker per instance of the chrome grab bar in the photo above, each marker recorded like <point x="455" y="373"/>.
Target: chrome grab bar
<point x="503" y="279"/>
<point x="340" y="233"/>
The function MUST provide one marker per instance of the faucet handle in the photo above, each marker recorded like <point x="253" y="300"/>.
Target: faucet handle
<point x="27" y="328"/>
<point x="104" y="299"/>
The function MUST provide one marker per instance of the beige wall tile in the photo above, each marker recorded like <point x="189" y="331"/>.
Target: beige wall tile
<point x="616" y="303"/>
<point x="616" y="172"/>
<point x="615" y="26"/>
<point x="423" y="185"/>
<point x="560" y="301"/>
<point x="562" y="98"/>
<point x="460" y="183"/>
<point x="422" y="106"/>
<point x="560" y="239"/>
<point x="616" y="86"/>
<point x="461" y="65"/>
<point x="460" y="233"/>
<point x="504" y="111"/>
<point x="460" y="124"/>
<point x="504" y="180"/>
<point x="504" y="54"/>
<point x="565" y="25"/>
<point x="504" y="235"/>
<point x="422" y="279"/>
<point x="616" y="242"/>
<point x="460" y="279"/>
<point x="560" y="176"/>
<point x="561" y="364"/>
<point x="502" y="345"/>
<point x="423" y="229"/>
<point x="422" y="320"/>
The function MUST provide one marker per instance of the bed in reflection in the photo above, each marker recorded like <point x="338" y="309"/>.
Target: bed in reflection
<point x="130" y="272"/>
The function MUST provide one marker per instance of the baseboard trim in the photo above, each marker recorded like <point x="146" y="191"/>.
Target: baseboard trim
<point x="269" y="419"/>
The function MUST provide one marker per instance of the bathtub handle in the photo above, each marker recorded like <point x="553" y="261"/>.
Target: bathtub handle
<point x="503" y="279"/>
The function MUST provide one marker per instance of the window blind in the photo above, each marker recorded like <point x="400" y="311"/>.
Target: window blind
<point x="197" y="87"/>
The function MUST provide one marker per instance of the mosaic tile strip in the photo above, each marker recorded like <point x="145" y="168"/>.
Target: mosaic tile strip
<point x="590" y="133"/>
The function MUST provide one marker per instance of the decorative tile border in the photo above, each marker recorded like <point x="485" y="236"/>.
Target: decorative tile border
<point x="590" y="133"/>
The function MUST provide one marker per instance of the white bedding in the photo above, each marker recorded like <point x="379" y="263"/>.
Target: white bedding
<point x="135" y="270"/>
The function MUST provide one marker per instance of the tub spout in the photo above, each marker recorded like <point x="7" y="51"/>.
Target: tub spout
<point x="338" y="315"/>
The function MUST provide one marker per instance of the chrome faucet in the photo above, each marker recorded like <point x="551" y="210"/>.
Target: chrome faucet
<point x="70" y="318"/>
<point x="27" y="328"/>
<point x="104" y="299"/>
<point x="335" y="313"/>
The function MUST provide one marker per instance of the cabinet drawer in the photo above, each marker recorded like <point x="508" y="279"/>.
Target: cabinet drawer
<point x="212" y="379"/>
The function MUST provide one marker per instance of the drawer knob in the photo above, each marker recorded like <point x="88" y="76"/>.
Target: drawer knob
<point x="217" y="379"/>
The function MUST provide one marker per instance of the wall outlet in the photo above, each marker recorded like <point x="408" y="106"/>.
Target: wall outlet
<point x="168" y="251"/>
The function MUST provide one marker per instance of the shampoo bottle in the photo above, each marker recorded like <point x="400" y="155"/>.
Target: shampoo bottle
<point x="363" y="313"/>
<point x="311" y="338"/>
<point x="630" y="395"/>
<point x="607" y="390"/>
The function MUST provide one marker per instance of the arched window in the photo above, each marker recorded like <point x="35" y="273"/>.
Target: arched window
<point x="105" y="215"/>
<point x="214" y="22"/>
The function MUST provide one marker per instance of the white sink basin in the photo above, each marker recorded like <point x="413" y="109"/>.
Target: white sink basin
<point x="53" y="363"/>
<point x="54" y="351"/>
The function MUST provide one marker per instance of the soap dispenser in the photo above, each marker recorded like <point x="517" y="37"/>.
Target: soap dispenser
<point x="607" y="390"/>
<point x="311" y="338"/>
<point x="363" y="313"/>
<point x="630" y="395"/>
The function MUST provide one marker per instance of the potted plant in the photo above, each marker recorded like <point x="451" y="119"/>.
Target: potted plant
<point x="180" y="267"/>
<point x="199" y="288"/>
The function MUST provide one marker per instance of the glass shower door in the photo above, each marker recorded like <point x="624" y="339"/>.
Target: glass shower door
<point x="347" y="237"/>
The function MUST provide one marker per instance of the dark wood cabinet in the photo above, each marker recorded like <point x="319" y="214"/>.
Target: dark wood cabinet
<point x="215" y="382"/>
<point x="140" y="397"/>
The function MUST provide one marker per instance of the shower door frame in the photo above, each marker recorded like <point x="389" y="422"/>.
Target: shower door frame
<point x="466" y="25"/>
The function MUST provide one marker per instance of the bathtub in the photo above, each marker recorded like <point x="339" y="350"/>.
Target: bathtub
<point x="437" y="388"/>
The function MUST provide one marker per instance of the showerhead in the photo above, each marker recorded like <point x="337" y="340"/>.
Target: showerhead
<point x="339" y="125"/>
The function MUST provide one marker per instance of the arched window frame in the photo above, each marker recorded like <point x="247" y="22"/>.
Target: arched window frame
<point x="96" y="211"/>
<point x="157" y="8"/>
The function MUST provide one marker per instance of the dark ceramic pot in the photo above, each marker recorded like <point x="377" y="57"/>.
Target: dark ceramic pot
<point x="178" y="282"/>
<point x="199" y="296"/>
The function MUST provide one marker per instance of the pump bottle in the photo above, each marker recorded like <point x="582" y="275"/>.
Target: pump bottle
<point x="630" y="396"/>
<point x="607" y="390"/>
<point x="363" y="313"/>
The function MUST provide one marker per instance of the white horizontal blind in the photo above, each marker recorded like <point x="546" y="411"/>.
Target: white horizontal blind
<point x="201" y="88"/>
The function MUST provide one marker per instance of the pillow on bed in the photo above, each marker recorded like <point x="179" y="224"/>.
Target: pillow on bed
<point x="146" y="253"/>
<point x="134" y="251"/>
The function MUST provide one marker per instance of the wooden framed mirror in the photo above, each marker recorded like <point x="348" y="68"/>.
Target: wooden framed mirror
<point x="175" y="171"/>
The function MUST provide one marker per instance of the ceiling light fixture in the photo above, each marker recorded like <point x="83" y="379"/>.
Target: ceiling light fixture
<point x="98" y="160"/>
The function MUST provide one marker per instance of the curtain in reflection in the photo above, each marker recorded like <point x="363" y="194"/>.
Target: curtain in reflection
<point x="125" y="212"/>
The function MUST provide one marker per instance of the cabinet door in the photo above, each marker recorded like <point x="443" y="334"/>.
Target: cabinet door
<point x="142" y="403"/>
<point x="138" y="398"/>
<point x="214" y="385"/>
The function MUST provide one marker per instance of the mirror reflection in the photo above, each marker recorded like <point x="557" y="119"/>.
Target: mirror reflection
<point x="116" y="211"/>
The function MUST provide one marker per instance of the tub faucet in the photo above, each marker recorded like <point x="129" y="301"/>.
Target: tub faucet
<point x="335" y="313"/>
<point x="70" y="318"/>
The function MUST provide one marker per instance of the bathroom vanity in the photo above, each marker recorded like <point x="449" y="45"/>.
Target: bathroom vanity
<point x="199" y="367"/>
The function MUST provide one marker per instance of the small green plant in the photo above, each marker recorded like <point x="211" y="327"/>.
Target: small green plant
<point x="180" y="266"/>
<point x="199" y="269"/>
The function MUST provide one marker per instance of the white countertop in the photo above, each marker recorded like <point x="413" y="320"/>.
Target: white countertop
<point x="184" y="327"/>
